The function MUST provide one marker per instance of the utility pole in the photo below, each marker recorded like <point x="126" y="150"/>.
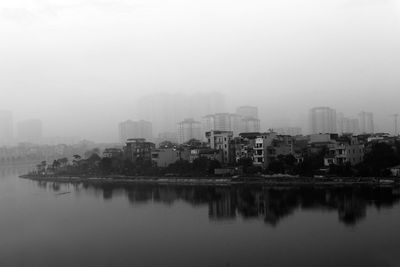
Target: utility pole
<point x="395" y="119"/>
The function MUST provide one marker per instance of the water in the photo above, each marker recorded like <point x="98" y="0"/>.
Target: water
<point x="50" y="224"/>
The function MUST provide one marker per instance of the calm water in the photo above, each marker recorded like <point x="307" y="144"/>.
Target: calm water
<point x="49" y="224"/>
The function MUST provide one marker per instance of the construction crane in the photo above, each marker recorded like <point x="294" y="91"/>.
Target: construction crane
<point x="395" y="119"/>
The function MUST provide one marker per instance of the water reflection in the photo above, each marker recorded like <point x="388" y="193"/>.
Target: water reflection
<point x="270" y="204"/>
<point x="7" y="171"/>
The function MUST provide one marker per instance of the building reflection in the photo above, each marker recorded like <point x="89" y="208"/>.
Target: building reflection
<point x="223" y="205"/>
<point x="270" y="204"/>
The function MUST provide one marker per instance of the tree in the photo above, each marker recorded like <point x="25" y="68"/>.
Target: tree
<point x="41" y="167"/>
<point x="283" y="164"/>
<point x="89" y="153"/>
<point x="94" y="158"/>
<point x="381" y="157"/>
<point x="212" y="165"/>
<point x="311" y="163"/>
<point x="200" y="164"/>
<point x="76" y="159"/>
<point x="56" y="164"/>
<point x="179" y="167"/>
<point x="341" y="170"/>
<point x="247" y="164"/>
<point x="277" y="166"/>
<point x="106" y="166"/>
<point x="63" y="162"/>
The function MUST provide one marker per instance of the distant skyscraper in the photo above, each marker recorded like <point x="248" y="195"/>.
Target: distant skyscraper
<point x="208" y="123"/>
<point x="249" y="121"/>
<point x="222" y="122"/>
<point x="30" y="131"/>
<point x="247" y="112"/>
<point x="189" y="129"/>
<point x="167" y="136"/>
<point x="135" y="129"/>
<point x="6" y="127"/>
<point x="235" y="121"/>
<point x="322" y="120"/>
<point x="250" y="125"/>
<point x="366" y="122"/>
<point x="166" y="110"/>
<point x="347" y="125"/>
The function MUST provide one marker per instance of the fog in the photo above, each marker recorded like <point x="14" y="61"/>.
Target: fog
<point x="83" y="66"/>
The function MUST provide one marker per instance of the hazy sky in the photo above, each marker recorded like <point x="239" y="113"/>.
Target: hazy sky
<point x="80" y="65"/>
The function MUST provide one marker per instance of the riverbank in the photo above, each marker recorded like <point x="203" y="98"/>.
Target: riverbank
<point x="267" y="180"/>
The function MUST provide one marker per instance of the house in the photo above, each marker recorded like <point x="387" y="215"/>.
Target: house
<point x="138" y="149"/>
<point x="344" y="150"/>
<point x="268" y="146"/>
<point x="211" y="154"/>
<point x="262" y="143"/>
<point x="112" y="153"/>
<point x="165" y="157"/>
<point x="220" y="140"/>
<point x="243" y="146"/>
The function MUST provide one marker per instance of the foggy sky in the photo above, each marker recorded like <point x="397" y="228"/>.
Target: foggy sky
<point x="81" y="65"/>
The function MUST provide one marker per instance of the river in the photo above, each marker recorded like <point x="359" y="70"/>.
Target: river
<point x="51" y="224"/>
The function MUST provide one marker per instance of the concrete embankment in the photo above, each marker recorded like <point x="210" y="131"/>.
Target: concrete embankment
<point x="287" y="181"/>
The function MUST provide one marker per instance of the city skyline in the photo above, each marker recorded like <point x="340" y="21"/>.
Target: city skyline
<point x="361" y="122"/>
<point x="68" y="63"/>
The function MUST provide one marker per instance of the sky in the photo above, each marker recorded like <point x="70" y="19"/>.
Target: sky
<point x="82" y="65"/>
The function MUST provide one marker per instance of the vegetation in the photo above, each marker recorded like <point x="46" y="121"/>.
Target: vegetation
<point x="377" y="162"/>
<point x="95" y="165"/>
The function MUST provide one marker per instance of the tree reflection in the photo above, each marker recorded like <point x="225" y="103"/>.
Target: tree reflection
<point x="270" y="204"/>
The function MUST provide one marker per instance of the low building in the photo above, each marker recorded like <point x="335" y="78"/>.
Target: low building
<point x="281" y="145"/>
<point x="345" y="150"/>
<point x="211" y="154"/>
<point x="241" y="148"/>
<point x="164" y="157"/>
<point x="138" y="149"/>
<point x="262" y="143"/>
<point x="269" y="146"/>
<point x="221" y="140"/>
<point x="112" y="153"/>
<point x="319" y="143"/>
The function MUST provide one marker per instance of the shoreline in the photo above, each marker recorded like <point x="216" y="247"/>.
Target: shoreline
<point x="273" y="180"/>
